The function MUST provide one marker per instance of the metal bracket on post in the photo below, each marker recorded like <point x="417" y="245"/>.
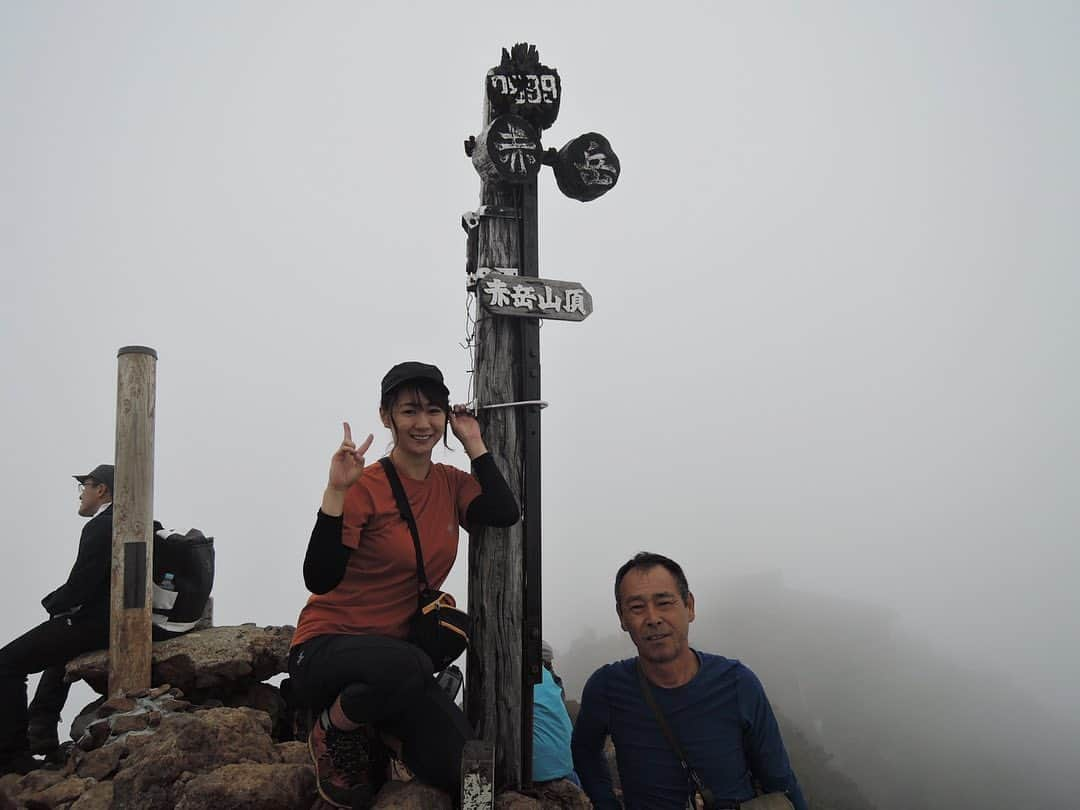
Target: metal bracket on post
<point x="539" y="403"/>
<point x="500" y="211"/>
<point x="471" y="219"/>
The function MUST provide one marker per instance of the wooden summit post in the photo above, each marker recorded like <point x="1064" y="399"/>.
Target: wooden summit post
<point x="522" y="98"/>
<point x="133" y="523"/>
<point x="494" y="687"/>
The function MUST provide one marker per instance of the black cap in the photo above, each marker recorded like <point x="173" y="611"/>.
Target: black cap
<point x="403" y="372"/>
<point x="102" y="473"/>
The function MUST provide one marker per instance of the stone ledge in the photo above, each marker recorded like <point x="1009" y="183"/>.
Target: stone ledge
<point x="215" y="658"/>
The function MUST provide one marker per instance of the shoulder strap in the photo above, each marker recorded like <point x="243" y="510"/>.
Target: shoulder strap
<point x="646" y="691"/>
<point x="406" y="514"/>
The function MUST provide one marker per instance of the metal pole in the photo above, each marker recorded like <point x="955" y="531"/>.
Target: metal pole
<point x="530" y="390"/>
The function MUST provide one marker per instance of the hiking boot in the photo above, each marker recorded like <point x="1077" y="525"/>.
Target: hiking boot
<point x="20" y="762"/>
<point x="342" y="767"/>
<point x="58" y="757"/>
<point x="43" y="738"/>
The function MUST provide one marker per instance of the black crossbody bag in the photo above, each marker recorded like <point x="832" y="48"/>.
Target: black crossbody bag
<point x="437" y="627"/>
<point x="702" y="789"/>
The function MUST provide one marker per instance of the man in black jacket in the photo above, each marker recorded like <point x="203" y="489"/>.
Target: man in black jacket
<point x="78" y="622"/>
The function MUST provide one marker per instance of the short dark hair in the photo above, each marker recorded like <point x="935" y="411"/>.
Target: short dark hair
<point x="647" y="559"/>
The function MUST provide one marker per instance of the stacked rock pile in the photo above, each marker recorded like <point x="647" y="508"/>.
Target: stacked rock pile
<point x="129" y="713"/>
<point x="153" y="756"/>
<point x="209" y="735"/>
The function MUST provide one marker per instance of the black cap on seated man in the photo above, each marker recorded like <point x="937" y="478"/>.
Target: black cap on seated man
<point x="78" y="622"/>
<point x="101" y="474"/>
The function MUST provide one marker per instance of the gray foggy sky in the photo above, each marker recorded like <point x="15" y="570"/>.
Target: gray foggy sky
<point x="836" y="290"/>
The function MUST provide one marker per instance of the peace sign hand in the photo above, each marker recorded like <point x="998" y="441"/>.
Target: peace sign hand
<point x="348" y="462"/>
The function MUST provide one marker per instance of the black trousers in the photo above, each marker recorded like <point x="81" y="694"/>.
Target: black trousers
<point x="45" y="648"/>
<point x="386" y="682"/>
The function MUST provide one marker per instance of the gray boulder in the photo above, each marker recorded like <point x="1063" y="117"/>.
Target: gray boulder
<point x="220" y="658"/>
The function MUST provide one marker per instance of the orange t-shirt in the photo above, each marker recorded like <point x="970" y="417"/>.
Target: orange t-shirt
<point x="378" y="593"/>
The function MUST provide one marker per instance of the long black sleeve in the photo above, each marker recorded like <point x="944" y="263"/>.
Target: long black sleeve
<point x="324" y="563"/>
<point x="88" y="582"/>
<point x="495" y="505"/>
<point x="326" y="557"/>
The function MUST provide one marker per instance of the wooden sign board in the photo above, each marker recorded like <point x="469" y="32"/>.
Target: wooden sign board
<point x="587" y="167"/>
<point x="508" y="151"/>
<point x="522" y="86"/>
<point x="526" y="297"/>
<point x="478" y="775"/>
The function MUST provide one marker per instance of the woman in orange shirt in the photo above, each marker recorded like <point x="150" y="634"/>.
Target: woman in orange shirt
<point x="350" y="659"/>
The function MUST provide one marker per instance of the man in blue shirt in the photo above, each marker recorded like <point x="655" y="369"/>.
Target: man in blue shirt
<point x="715" y="707"/>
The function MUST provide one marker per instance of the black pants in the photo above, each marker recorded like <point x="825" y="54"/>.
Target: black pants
<point x="45" y="648"/>
<point x="386" y="682"/>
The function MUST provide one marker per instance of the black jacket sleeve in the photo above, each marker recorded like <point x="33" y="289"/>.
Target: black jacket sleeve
<point x="89" y="578"/>
<point x="324" y="563"/>
<point x="495" y="505"/>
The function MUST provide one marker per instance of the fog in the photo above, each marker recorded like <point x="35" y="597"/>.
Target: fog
<point x="831" y="367"/>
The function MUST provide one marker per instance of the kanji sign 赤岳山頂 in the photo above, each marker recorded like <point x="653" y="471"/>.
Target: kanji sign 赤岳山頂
<point x="523" y="296"/>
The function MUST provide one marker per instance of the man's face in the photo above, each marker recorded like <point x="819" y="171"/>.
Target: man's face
<point x="92" y="495"/>
<point x="653" y="613"/>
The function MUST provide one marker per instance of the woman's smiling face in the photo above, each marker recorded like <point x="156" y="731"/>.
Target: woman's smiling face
<point x="417" y="423"/>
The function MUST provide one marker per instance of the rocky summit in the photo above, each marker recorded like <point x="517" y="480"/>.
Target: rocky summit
<point x="210" y="734"/>
<point x="219" y="658"/>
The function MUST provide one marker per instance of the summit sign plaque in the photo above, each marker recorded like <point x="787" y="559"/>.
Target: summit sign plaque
<point x="530" y="297"/>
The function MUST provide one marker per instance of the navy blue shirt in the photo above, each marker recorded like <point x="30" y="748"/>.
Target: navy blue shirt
<point x="721" y="717"/>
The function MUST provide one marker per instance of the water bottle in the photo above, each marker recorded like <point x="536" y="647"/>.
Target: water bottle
<point x="450" y="680"/>
<point x="167" y="583"/>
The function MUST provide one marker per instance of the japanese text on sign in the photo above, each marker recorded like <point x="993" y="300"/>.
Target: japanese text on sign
<point x="516" y="149"/>
<point x="540" y="89"/>
<point x="543" y="298"/>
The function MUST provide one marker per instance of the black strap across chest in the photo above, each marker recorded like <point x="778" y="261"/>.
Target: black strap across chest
<point x="706" y="794"/>
<point x="406" y="514"/>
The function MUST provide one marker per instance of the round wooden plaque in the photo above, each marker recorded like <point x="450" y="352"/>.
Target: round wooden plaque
<point x="508" y="151"/>
<point x="587" y="167"/>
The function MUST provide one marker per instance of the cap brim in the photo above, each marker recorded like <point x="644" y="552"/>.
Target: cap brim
<point x="415" y="381"/>
<point x="82" y="479"/>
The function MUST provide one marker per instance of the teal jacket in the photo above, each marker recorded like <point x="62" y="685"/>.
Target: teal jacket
<point x="551" y="732"/>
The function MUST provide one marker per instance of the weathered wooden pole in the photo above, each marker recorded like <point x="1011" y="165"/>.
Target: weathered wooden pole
<point x="493" y="697"/>
<point x="133" y="522"/>
<point x="522" y="99"/>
